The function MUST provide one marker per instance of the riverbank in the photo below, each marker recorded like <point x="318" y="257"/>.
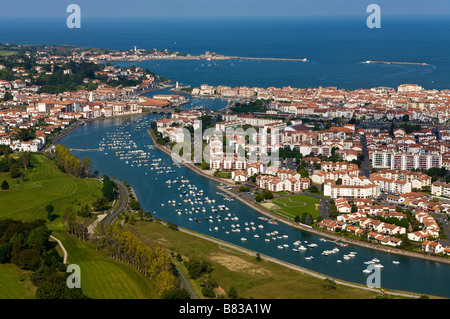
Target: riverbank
<point x="333" y="236"/>
<point x="238" y="262"/>
<point x="300" y="226"/>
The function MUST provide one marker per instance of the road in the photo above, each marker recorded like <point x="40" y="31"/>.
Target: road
<point x="123" y="196"/>
<point x="109" y="220"/>
<point x="62" y="247"/>
<point x="366" y="167"/>
<point x="186" y="283"/>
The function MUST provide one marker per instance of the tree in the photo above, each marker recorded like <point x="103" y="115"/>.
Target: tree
<point x="259" y="198"/>
<point x="100" y="204"/>
<point x="267" y="194"/>
<point x="5" y="185"/>
<point x="85" y="211"/>
<point x="329" y="284"/>
<point x="49" y="208"/>
<point x="87" y="166"/>
<point x="14" y="170"/>
<point x="232" y="293"/>
<point x="38" y="238"/>
<point x="25" y="158"/>
<point x="313" y="189"/>
<point x="176" y="294"/>
<point x="306" y="219"/>
<point x="29" y="259"/>
<point x="196" y="267"/>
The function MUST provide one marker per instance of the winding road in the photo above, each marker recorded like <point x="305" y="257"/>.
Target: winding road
<point x="123" y="196"/>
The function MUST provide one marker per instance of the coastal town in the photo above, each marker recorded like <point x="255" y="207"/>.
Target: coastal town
<point x="376" y="159"/>
<point x="388" y="182"/>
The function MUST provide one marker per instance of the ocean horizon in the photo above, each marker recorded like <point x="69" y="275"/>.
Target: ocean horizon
<point x="336" y="47"/>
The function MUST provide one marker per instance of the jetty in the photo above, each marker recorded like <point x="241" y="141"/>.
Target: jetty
<point x="388" y="62"/>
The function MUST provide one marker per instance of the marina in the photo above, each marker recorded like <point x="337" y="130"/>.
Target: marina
<point x="178" y="195"/>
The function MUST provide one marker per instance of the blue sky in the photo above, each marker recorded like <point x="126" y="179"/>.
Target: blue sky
<point x="152" y="8"/>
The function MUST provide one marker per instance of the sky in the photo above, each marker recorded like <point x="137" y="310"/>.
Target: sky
<point x="174" y="8"/>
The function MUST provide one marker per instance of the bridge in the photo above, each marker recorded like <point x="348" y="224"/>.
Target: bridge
<point x="86" y="149"/>
<point x="166" y="110"/>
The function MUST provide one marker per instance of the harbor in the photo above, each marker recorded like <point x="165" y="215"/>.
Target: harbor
<point x="179" y="195"/>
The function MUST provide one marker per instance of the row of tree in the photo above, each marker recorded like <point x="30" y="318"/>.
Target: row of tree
<point x="148" y="258"/>
<point x="72" y="164"/>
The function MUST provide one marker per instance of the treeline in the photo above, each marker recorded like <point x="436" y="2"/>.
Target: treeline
<point x="150" y="259"/>
<point x="72" y="164"/>
<point x="26" y="244"/>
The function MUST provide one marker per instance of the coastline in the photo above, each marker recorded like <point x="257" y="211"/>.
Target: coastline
<point x="300" y="226"/>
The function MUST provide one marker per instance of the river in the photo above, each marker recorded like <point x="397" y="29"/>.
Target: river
<point x="127" y="153"/>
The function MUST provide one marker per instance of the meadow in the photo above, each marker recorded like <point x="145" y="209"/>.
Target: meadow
<point x="44" y="184"/>
<point x="295" y="205"/>
<point x="251" y="278"/>
<point x="26" y="199"/>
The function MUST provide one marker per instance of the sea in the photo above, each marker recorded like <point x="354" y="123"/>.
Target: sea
<point x="335" y="47"/>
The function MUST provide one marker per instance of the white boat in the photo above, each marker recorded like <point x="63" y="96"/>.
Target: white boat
<point x="280" y="246"/>
<point x="302" y="247"/>
<point x="395" y="262"/>
<point x="309" y="258"/>
<point x="367" y="271"/>
<point x="339" y="261"/>
<point x="243" y="239"/>
<point x="379" y="266"/>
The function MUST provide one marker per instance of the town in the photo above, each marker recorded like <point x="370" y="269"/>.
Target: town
<point x="379" y="156"/>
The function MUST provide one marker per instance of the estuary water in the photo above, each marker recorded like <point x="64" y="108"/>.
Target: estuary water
<point x="180" y="196"/>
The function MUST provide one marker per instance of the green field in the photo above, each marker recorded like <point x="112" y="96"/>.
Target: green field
<point x="251" y="278"/>
<point x="7" y="52"/>
<point x="295" y="205"/>
<point x="45" y="184"/>
<point x="101" y="277"/>
<point x="15" y="283"/>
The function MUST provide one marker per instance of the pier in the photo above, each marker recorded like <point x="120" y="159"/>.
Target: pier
<point x="387" y="62"/>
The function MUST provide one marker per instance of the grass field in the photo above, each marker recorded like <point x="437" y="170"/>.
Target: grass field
<point x="7" y="52"/>
<point x="45" y="184"/>
<point x="263" y="279"/>
<point x="15" y="283"/>
<point x="295" y="205"/>
<point x="101" y="277"/>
